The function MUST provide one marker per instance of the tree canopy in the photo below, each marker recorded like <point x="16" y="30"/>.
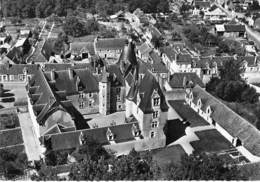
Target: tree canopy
<point x="45" y="8"/>
<point x="231" y="86"/>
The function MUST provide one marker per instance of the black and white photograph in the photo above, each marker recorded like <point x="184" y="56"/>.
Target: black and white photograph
<point x="114" y="90"/>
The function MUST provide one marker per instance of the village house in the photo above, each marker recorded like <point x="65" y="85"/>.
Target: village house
<point x="239" y="132"/>
<point x="110" y="48"/>
<point x="81" y="50"/>
<point x="231" y="30"/>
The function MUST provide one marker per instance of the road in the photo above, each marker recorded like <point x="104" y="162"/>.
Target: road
<point x="252" y="34"/>
<point x="31" y="142"/>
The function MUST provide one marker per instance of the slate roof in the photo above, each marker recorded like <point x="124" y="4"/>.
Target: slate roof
<point x="146" y="87"/>
<point x="69" y="140"/>
<point x="177" y="80"/>
<point x="110" y="43"/>
<point x="234" y="124"/>
<point x="63" y="81"/>
<point x="155" y="64"/>
<point x="187" y="113"/>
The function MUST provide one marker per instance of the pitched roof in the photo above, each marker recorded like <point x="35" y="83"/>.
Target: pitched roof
<point x="146" y="87"/>
<point x="202" y="4"/>
<point x="71" y="140"/>
<point x="144" y="48"/>
<point x="66" y="80"/>
<point x="110" y="43"/>
<point x="155" y="32"/>
<point x="155" y="65"/>
<point x="170" y="52"/>
<point x="15" y="69"/>
<point x="234" y="124"/>
<point x="78" y="47"/>
<point x="187" y="113"/>
<point x="234" y="28"/>
<point x="177" y="80"/>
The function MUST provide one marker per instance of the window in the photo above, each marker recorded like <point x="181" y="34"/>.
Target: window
<point x="156" y="101"/>
<point x="90" y="95"/>
<point x="155" y="114"/>
<point x="90" y="104"/>
<point x="155" y="124"/>
<point x="81" y="95"/>
<point x="118" y="98"/>
<point x="11" y="77"/>
<point x="81" y="105"/>
<point x="118" y="90"/>
<point x="152" y="134"/>
<point x="21" y="77"/>
<point x="5" y="78"/>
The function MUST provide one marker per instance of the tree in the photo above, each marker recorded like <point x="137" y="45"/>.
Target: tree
<point x="157" y="42"/>
<point x="1" y="90"/>
<point x="74" y="27"/>
<point x="232" y="70"/>
<point x="203" y="167"/>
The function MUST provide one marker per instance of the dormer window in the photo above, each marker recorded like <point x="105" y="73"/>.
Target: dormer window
<point x="199" y="103"/>
<point x="81" y="95"/>
<point x="191" y="96"/>
<point x="110" y="135"/>
<point x="209" y="111"/>
<point x="136" y="131"/>
<point x="90" y="95"/>
<point x="155" y="114"/>
<point x="156" y="101"/>
<point x="81" y="139"/>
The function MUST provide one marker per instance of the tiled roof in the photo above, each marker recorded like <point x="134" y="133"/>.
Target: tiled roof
<point x="78" y="47"/>
<point x="15" y="69"/>
<point x="144" y="48"/>
<point x="155" y="65"/>
<point x="146" y="87"/>
<point x="155" y="32"/>
<point x="177" y="80"/>
<point x="111" y="43"/>
<point x="202" y="4"/>
<point x="234" y="124"/>
<point x="170" y="52"/>
<point x="234" y="28"/>
<point x="71" y="140"/>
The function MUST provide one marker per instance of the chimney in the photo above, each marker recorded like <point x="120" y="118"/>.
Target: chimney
<point x="70" y="71"/>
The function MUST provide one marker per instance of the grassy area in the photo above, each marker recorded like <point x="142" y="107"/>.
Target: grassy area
<point x="15" y="149"/>
<point x="211" y="141"/>
<point x="9" y="121"/>
<point x="168" y="154"/>
<point x="11" y="137"/>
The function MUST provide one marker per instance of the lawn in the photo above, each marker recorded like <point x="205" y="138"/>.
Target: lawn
<point x="8" y="121"/>
<point x="166" y="155"/>
<point x="11" y="137"/>
<point x="211" y="141"/>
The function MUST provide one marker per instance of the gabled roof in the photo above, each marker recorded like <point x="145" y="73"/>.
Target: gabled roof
<point x="169" y="52"/>
<point x="155" y="32"/>
<point x="15" y="69"/>
<point x="147" y="86"/>
<point x="155" y="64"/>
<point x="234" y="28"/>
<point x="177" y="80"/>
<point x="110" y="43"/>
<point x="144" y="48"/>
<point x="79" y="47"/>
<point x="71" y="140"/>
<point x="202" y="4"/>
<point x="66" y="82"/>
<point x="234" y="124"/>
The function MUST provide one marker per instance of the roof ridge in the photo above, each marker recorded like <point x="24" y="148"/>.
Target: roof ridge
<point x="226" y="107"/>
<point x="88" y="129"/>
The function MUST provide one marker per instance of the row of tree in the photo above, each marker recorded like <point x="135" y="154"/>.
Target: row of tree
<point x="231" y="86"/>
<point x="95" y="163"/>
<point x="44" y="8"/>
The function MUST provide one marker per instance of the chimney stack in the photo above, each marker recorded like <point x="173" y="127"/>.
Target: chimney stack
<point x="70" y="71"/>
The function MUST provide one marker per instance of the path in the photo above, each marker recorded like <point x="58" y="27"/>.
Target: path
<point x="31" y="142"/>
